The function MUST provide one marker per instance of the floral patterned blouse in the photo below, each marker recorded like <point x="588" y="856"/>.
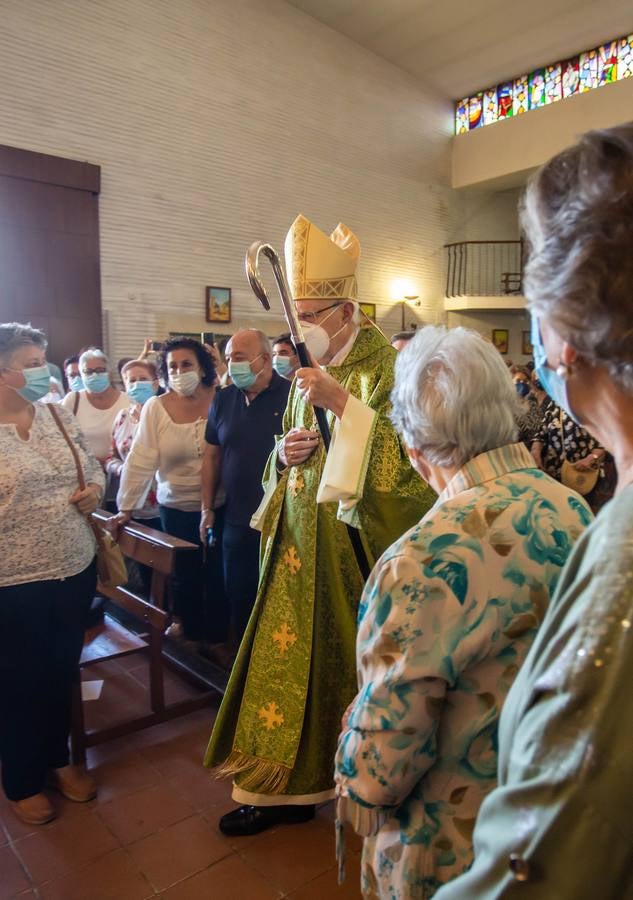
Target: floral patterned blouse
<point x="562" y="438"/>
<point x="446" y="620"/>
<point x="123" y="431"/>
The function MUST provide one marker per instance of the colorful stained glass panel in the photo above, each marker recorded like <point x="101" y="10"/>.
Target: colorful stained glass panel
<point x="588" y="69"/>
<point x="571" y="77"/>
<point x="537" y="88"/>
<point x="461" y="117"/>
<point x="505" y="100"/>
<point x="475" y="106"/>
<point x="608" y="63"/>
<point x="625" y="57"/>
<point x="553" y="85"/>
<point x="520" y="90"/>
<point x="491" y="108"/>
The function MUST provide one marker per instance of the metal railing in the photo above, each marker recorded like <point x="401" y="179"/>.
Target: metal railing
<point x="484" y="268"/>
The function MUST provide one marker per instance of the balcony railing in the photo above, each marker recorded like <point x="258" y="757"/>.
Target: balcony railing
<point x="484" y="268"/>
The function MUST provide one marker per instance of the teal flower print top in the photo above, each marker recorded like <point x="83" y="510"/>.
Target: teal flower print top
<point x="446" y="620"/>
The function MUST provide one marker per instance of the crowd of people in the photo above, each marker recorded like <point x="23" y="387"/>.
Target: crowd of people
<point x="420" y="615"/>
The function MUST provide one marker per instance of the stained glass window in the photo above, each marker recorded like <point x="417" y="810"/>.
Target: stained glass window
<point x="588" y="70"/>
<point x="608" y="63"/>
<point x="537" y="88"/>
<point x="461" y="117"/>
<point x="505" y="100"/>
<point x="474" y="111"/>
<point x="491" y="108"/>
<point x="553" y="87"/>
<point x="625" y="57"/>
<point x="520" y="95"/>
<point x="571" y="77"/>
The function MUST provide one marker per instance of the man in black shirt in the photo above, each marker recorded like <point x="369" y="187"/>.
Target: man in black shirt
<point x="240" y="434"/>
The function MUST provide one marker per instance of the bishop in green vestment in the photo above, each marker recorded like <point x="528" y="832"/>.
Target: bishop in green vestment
<point x="277" y="729"/>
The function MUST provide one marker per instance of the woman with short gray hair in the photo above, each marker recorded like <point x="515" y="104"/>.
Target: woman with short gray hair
<point x="559" y="822"/>
<point x="47" y="577"/>
<point x="447" y="617"/>
<point x="97" y="406"/>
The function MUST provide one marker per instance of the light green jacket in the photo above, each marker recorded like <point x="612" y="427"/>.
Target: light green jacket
<point x="560" y="824"/>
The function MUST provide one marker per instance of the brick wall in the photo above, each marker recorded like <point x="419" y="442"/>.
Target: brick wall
<point x="215" y="122"/>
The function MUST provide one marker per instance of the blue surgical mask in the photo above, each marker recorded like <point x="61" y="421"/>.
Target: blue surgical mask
<point x="282" y="365"/>
<point x="242" y="374"/>
<point x="522" y="388"/>
<point x="140" y="391"/>
<point x="76" y="383"/>
<point x="97" y="383"/>
<point x="38" y="382"/>
<point x="551" y="380"/>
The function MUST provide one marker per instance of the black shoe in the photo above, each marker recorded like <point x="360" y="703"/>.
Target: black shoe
<point x="246" y="820"/>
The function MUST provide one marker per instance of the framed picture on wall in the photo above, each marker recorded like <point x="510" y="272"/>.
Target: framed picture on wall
<point x="526" y="343"/>
<point x="500" y="339"/>
<point x="369" y="309"/>
<point x="218" y="304"/>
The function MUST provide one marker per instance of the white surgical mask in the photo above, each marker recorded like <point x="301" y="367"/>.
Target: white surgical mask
<point x="316" y="337"/>
<point x="184" y="384"/>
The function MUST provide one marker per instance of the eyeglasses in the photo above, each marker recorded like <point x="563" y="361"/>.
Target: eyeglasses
<point x="98" y="371"/>
<point x="311" y="317"/>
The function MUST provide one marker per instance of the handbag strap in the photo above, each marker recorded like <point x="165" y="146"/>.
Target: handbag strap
<point x="562" y="435"/>
<point x="80" y="472"/>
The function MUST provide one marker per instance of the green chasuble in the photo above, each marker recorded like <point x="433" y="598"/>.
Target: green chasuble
<point x="295" y="674"/>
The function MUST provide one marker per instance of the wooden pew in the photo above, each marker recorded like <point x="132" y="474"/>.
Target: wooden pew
<point x="165" y="555"/>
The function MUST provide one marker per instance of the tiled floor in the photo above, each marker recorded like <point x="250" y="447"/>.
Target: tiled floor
<point x="152" y="831"/>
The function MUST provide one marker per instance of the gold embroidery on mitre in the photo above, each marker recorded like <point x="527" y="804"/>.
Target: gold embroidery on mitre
<point x="285" y="637"/>
<point x="296" y="482"/>
<point x="327" y="288"/>
<point x="292" y="560"/>
<point x="271" y="716"/>
<point x="321" y="266"/>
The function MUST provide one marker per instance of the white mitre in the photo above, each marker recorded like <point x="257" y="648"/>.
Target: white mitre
<point x="321" y="267"/>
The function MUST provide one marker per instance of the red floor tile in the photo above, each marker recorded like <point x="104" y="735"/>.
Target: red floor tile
<point x="229" y="879"/>
<point x="113" y="877"/>
<point x="13" y="878"/>
<point x="179" y="851"/>
<point x="292" y="855"/>
<point x="326" y="887"/>
<point x="137" y="815"/>
<point x="70" y="842"/>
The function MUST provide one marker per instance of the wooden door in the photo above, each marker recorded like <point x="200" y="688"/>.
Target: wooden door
<point x="49" y="248"/>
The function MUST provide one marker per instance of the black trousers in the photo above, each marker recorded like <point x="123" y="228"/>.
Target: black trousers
<point x="198" y="591"/>
<point x="41" y="636"/>
<point x="240" y="547"/>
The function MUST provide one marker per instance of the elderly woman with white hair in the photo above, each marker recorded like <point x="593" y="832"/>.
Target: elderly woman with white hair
<point x="559" y="822"/>
<point x="97" y="406"/>
<point x="447" y="617"/>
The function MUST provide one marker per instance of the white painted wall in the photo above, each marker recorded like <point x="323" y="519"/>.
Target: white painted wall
<point x="215" y="122"/>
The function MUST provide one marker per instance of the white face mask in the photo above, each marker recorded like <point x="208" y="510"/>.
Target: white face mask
<point x="184" y="384"/>
<point x="317" y="339"/>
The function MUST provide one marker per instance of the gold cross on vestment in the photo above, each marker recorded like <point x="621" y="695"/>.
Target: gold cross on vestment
<point x="271" y="715"/>
<point x="292" y="560"/>
<point x="285" y="638"/>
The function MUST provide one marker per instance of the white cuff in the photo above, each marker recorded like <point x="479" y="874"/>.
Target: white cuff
<point x="345" y="469"/>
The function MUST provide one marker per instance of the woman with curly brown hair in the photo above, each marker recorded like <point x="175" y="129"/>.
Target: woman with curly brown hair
<point x="168" y="445"/>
